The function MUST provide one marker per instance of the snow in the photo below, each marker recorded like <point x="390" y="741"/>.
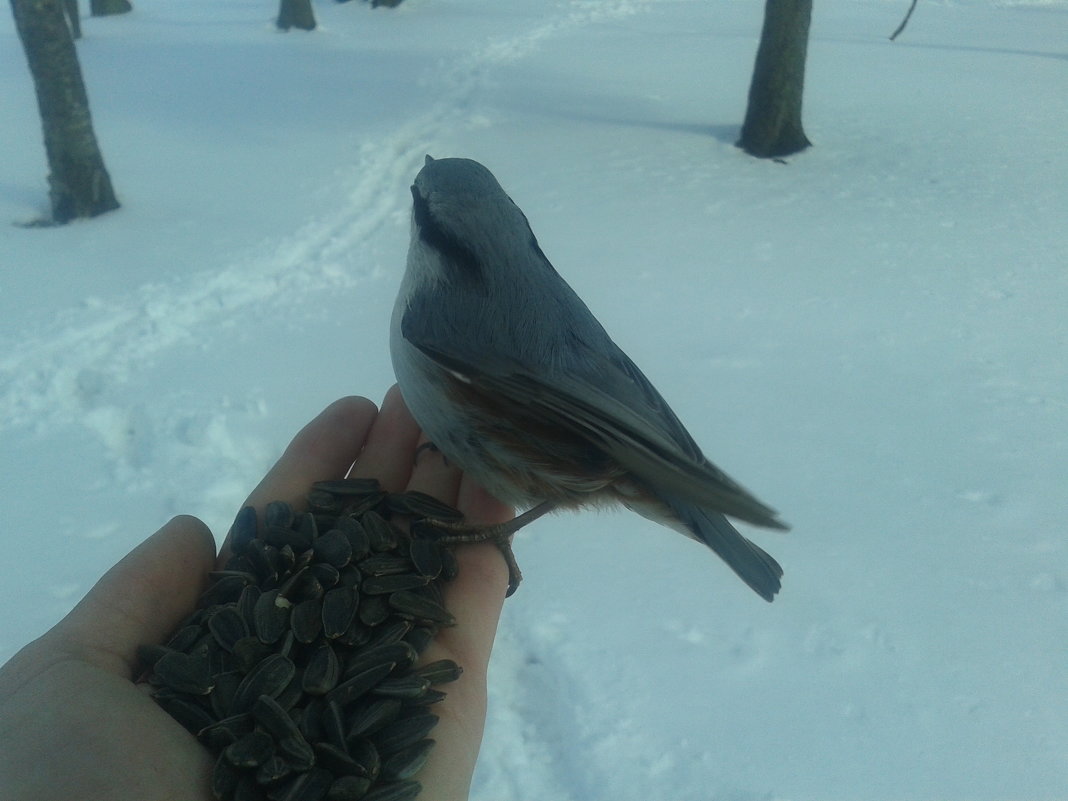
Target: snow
<point x="872" y="337"/>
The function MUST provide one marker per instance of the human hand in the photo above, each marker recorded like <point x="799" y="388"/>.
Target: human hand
<point x="75" y="724"/>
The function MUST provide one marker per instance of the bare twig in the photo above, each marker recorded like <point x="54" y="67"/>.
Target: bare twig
<point x="904" y="22"/>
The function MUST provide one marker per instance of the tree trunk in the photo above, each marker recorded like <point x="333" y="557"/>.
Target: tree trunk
<point x="103" y="8"/>
<point x="79" y="185"/>
<point x="296" y="14"/>
<point x="773" y="118"/>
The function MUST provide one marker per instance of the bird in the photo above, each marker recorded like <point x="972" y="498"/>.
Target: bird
<point x="514" y="380"/>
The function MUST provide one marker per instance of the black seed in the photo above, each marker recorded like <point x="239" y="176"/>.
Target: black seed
<point x="402" y="733"/>
<point x="407" y="603"/>
<point x="274" y="718"/>
<point x="271" y="617"/>
<point x="306" y="621"/>
<point x="384" y="564"/>
<point x="223" y="779"/>
<point x="279" y="513"/>
<point x="426" y="557"/>
<point x="351" y="689"/>
<point x="373" y="610"/>
<point x="339" y="610"/>
<point x="371" y="715"/>
<point x="408" y="761"/>
<point x="334" y="548"/>
<point x="383" y="585"/>
<point x="395" y="791"/>
<point x="243" y="530"/>
<point x="272" y="771"/>
<point x="250" y="751"/>
<point x="403" y="687"/>
<point x="322" y="671"/>
<point x="440" y="672"/>
<point x="227" y="626"/>
<point x="392" y="654"/>
<point x="348" y="788"/>
<point x="185" y="673"/>
<point x="349" y="486"/>
<point x="383" y="534"/>
<point x="269" y="677"/>
<point x="222" y="697"/>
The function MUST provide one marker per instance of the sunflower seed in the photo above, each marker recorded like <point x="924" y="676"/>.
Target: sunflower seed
<point x="450" y="568"/>
<point x="406" y="762"/>
<point x="224" y="778"/>
<point x="348" y="788"/>
<point x="185" y="673"/>
<point x="326" y="574"/>
<point x="227" y="626"/>
<point x="393" y="631"/>
<point x="246" y="605"/>
<point x="419" y="638"/>
<point x="349" y="486"/>
<point x="432" y="696"/>
<point x="373" y="610"/>
<point x="273" y="770"/>
<point x="321" y="501"/>
<point x="406" y="790"/>
<point x="269" y="677"/>
<point x="385" y="565"/>
<point x="421" y="505"/>
<point x="407" y="602"/>
<point x="383" y="534"/>
<point x="279" y="514"/>
<point x="281" y="536"/>
<point x="250" y="751"/>
<point x="297" y="752"/>
<point x="364" y="753"/>
<point x="222" y="697"/>
<point x="306" y="620"/>
<point x="426" y="557"/>
<point x="440" y="672"/>
<point x="356" y="634"/>
<point x="292" y="694"/>
<point x="334" y="548"/>
<point x="243" y="530"/>
<point x="351" y="689"/>
<point x="223" y="591"/>
<point x="264" y="560"/>
<point x="301" y="586"/>
<point x="370" y="716"/>
<point x="306" y="526"/>
<point x="228" y="730"/>
<point x="333" y="725"/>
<point x="339" y="610"/>
<point x="247" y="789"/>
<point x="248" y="652"/>
<point x="271" y="617"/>
<point x="402" y="733"/>
<point x="337" y="760"/>
<point x="310" y="786"/>
<point x="383" y="585"/>
<point x="392" y="654"/>
<point x="359" y="542"/>
<point x="322" y="671"/>
<point x="274" y="718"/>
<point x="403" y="687"/>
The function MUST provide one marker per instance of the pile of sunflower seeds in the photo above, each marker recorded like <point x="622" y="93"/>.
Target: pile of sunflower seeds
<point x="297" y="667"/>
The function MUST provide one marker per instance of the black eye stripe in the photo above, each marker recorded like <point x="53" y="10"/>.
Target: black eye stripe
<point x="459" y="260"/>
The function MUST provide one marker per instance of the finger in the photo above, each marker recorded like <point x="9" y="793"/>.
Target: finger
<point x="141" y="599"/>
<point x="475" y="598"/>
<point x="323" y="449"/>
<point x="390" y="449"/>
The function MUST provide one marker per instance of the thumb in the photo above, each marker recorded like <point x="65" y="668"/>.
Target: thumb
<point x="142" y="598"/>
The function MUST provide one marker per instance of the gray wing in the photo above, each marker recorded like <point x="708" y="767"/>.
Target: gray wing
<point x="610" y="404"/>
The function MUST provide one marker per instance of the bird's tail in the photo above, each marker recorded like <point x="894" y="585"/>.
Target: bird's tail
<point x="753" y="565"/>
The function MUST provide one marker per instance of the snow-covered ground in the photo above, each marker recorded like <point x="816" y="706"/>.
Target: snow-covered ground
<point x="872" y="337"/>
